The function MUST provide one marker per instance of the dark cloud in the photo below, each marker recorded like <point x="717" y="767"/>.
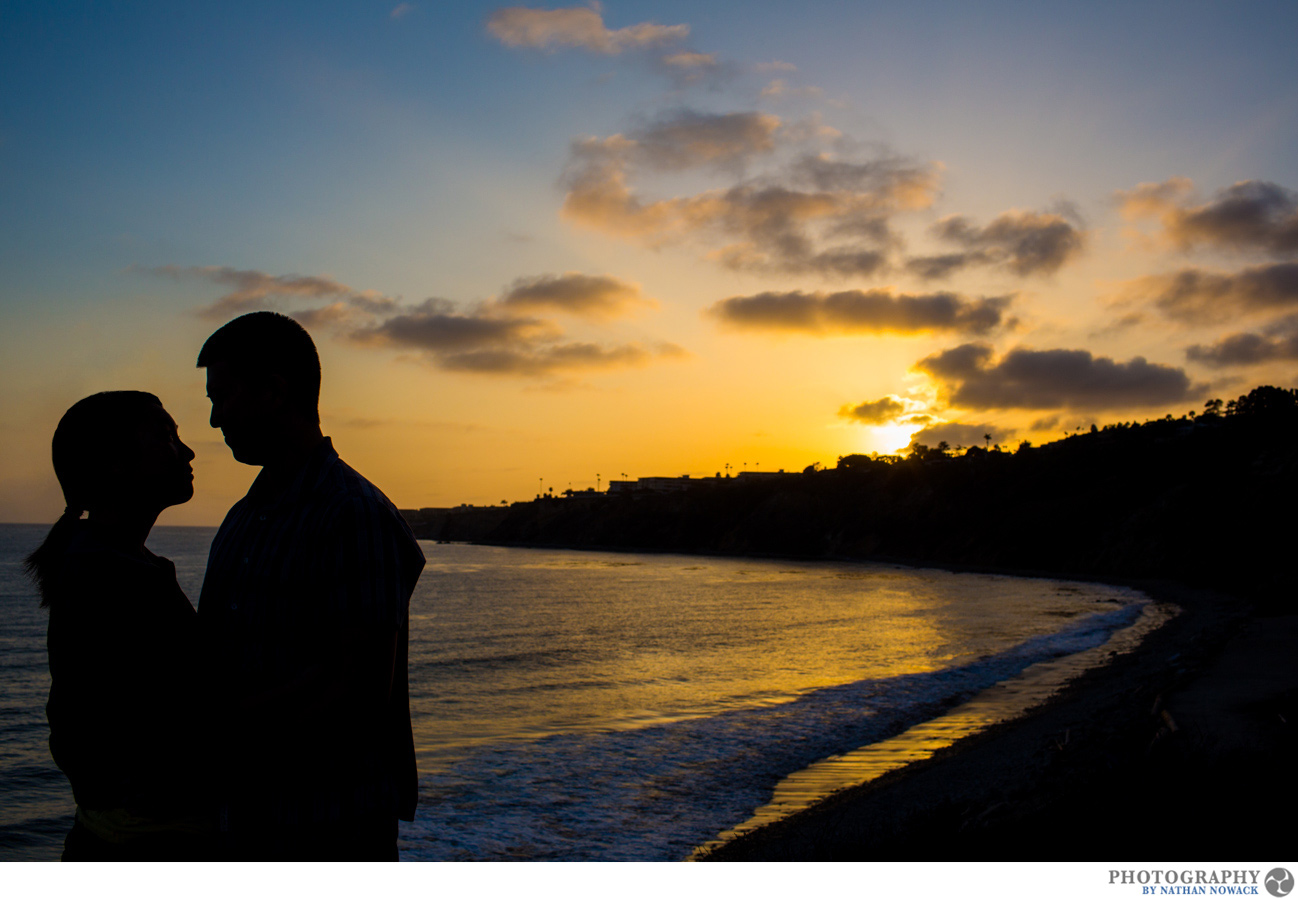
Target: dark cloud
<point x="1278" y="342"/>
<point x="873" y="312"/>
<point x="435" y="328"/>
<point x="1052" y="379"/>
<point x="961" y="434"/>
<point x="1196" y="295"/>
<point x="496" y="340"/>
<point x="894" y="176"/>
<point x="687" y="139"/>
<point x="1026" y="243"/>
<point x="932" y="268"/>
<point x="819" y="215"/>
<point x="1248" y="215"/>
<point x="502" y="336"/>
<point x="576" y="27"/>
<point x="591" y="296"/>
<point x="874" y="412"/>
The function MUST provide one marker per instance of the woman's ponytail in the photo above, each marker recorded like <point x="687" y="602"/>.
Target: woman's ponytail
<point x="42" y="564"/>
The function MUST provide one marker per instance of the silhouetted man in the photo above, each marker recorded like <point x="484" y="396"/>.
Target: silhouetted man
<point x="305" y="604"/>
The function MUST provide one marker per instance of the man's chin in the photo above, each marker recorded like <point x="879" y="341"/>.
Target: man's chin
<point x="245" y="454"/>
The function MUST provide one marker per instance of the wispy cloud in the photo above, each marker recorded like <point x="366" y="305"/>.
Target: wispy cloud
<point x="590" y="296"/>
<point x="507" y="335"/>
<point x="1024" y="242"/>
<point x="970" y="377"/>
<point x="690" y="59"/>
<point x="1257" y="216"/>
<point x="577" y="27"/>
<point x="1202" y="296"/>
<point x="818" y="214"/>
<point x="251" y="290"/>
<point x="878" y="311"/>
<point x="779" y="87"/>
<point x="401" y="10"/>
<point x="1277" y="342"/>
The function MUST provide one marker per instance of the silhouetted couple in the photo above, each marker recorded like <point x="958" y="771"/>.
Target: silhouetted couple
<point x="274" y="723"/>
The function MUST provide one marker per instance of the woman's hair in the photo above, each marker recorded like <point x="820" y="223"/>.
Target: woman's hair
<point x="90" y="437"/>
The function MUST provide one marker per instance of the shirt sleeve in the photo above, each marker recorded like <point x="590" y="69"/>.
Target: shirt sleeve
<point x="371" y="566"/>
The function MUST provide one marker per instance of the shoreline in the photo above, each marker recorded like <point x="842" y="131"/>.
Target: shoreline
<point x="1176" y="750"/>
<point x="1179" y="749"/>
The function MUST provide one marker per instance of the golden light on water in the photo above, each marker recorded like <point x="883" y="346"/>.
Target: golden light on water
<point x="1000" y="703"/>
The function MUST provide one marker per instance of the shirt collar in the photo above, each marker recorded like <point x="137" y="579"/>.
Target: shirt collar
<point x="263" y="493"/>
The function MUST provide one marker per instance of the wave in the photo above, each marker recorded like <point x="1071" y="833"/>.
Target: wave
<point x="656" y="792"/>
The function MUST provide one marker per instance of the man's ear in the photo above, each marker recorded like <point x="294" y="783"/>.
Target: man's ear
<point x="277" y="392"/>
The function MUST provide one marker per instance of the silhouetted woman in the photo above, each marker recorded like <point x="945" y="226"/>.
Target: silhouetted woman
<point x="122" y="640"/>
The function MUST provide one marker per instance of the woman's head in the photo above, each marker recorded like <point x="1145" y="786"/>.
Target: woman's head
<point x="116" y="453"/>
<point x="121" y="448"/>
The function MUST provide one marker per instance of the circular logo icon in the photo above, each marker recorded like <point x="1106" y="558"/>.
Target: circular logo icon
<point x="1279" y="882"/>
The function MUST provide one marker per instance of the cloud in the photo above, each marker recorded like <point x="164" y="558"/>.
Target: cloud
<point x="778" y="87"/>
<point x="589" y="296"/>
<point x="507" y="335"/>
<point x="687" y="67"/>
<point x="1026" y="243"/>
<point x="576" y="26"/>
<point x="495" y="340"/>
<point x="252" y="290"/>
<point x="401" y="10"/>
<point x="689" y="59"/>
<point x="1277" y="342"/>
<point x="569" y="357"/>
<point x="818" y="214"/>
<point x="687" y="139"/>
<point x="875" y="311"/>
<point x="1052" y="379"/>
<point x="961" y="434"/>
<point x="875" y="412"/>
<point x="435" y="326"/>
<point x="1248" y="215"/>
<point x="1198" y="296"/>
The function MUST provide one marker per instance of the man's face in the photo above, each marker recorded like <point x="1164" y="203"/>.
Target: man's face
<point x="247" y="410"/>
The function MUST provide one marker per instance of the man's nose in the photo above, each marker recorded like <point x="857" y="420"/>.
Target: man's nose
<point x="215" y="419"/>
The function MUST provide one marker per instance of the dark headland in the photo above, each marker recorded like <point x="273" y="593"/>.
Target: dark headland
<point x="1185" y="749"/>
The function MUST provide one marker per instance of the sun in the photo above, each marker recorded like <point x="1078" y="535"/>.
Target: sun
<point x="891" y="438"/>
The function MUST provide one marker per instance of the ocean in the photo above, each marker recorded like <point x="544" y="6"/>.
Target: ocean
<point x="572" y="705"/>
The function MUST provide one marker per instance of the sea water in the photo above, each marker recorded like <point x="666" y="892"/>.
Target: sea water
<point x="575" y="705"/>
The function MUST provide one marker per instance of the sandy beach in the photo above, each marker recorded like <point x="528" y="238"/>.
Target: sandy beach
<point x="1180" y="750"/>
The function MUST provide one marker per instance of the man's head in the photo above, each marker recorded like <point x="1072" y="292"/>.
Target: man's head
<point x="263" y="378"/>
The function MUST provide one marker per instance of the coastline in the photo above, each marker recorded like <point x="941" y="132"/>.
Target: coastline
<point x="1179" y="749"/>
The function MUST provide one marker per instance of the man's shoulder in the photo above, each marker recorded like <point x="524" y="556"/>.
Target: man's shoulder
<point x="342" y="483"/>
<point x="347" y="492"/>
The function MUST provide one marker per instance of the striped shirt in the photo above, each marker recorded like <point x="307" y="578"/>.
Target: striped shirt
<point x="294" y="573"/>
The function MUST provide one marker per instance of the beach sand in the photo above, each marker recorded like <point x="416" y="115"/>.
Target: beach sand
<point x="1184" y="749"/>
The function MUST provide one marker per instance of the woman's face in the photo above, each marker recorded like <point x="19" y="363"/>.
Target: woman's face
<point x="158" y="473"/>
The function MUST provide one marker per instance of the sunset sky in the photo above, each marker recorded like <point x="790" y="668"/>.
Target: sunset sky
<point x="537" y="244"/>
